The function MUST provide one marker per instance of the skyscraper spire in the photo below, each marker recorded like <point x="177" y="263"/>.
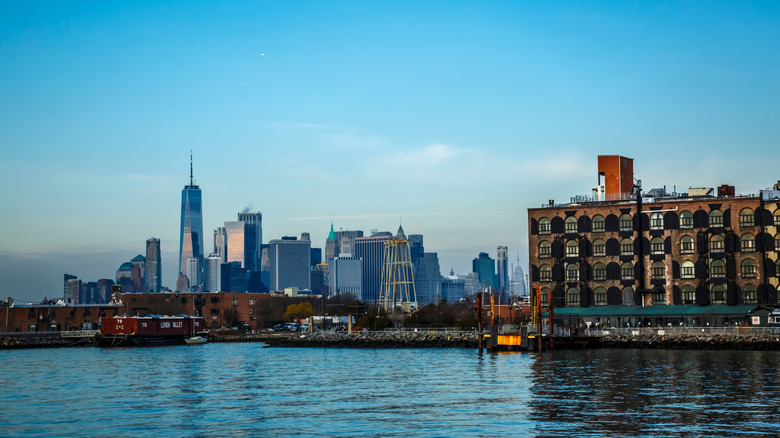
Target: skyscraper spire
<point x="191" y="182"/>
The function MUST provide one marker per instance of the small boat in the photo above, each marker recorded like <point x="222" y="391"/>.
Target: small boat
<point x="196" y="340"/>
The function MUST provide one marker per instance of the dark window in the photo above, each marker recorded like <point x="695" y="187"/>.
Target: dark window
<point x="749" y="269"/>
<point x="544" y="226"/>
<point x="686" y="220"/>
<point x="626" y="223"/>
<point x="626" y="247"/>
<point x="600" y="296"/>
<point x="746" y="218"/>
<point x="600" y="272"/>
<point x="718" y="269"/>
<point x="656" y="221"/>
<point x="600" y="248"/>
<point x="571" y="225"/>
<point x="545" y="273"/>
<point x="598" y="224"/>
<point x="545" y="250"/>
<point x="658" y="271"/>
<point x="716" y="218"/>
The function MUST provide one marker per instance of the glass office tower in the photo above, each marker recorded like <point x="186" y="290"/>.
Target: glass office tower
<point x="191" y="236"/>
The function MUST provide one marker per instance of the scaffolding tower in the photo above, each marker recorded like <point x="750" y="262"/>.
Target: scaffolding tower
<point x="397" y="292"/>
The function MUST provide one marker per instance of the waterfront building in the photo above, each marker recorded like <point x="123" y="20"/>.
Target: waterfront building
<point x="191" y="230"/>
<point x="212" y="274"/>
<point x="485" y="268"/>
<point x="153" y="271"/>
<point x="253" y="228"/>
<point x="370" y="250"/>
<point x="290" y="264"/>
<point x="345" y="275"/>
<point x="620" y="254"/>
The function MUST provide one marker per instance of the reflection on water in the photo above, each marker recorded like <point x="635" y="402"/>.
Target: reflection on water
<point x="247" y="390"/>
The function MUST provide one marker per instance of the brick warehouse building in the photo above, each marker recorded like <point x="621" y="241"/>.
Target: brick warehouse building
<point x="219" y="309"/>
<point x="620" y="253"/>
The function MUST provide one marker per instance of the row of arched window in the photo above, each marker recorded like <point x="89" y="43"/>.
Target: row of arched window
<point x="657" y="246"/>
<point x="749" y="295"/>
<point x="626" y="221"/>
<point x="657" y="271"/>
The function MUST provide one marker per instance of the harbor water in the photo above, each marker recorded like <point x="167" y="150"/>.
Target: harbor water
<point x="247" y="390"/>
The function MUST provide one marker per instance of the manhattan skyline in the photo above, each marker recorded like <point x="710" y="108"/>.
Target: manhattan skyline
<point x="451" y="119"/>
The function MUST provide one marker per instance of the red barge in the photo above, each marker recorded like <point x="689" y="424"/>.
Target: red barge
<point x="147" y="330"/>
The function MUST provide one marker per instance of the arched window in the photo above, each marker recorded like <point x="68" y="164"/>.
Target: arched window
<point x="572" y="297"/>
<point x="777" y="217"/>
<point x="571" y="224"/>
<point x="572" y="272"/>
<point x="627" y="271"/>
<point x="777" y="245"/>
<point x="600" y="296"/>
<point x="626" y="247"/>
<point x="717" y="243"/>
<point x="658" y="271"/>
<point x="600" y="248"/>
<point x="659" y="296"/>
<point x="545" y="249"/>
<point x="748" y="243"/>
<point x="545" y="273"/>
<point x="746" y="218"/>
<point x="545" y="296"/>
<point x="626" y="223"/>
<point x="599" y="272"/>
<point x="686" y="245"/>
<point x="718" y="269"/>
<point x="749" y="295"/>
<point x="628" y="296"/>
<point x="719" y="294"/>
<point x="656" y="221"/>
<point x="687" y="270"/>
<point x="716" y="218"/>
<point x="686" y="220"/>
<point x="598" y="224"/>
<point x="544" y="226"/>
<point x="657" y="245"/>
<point x="572" y="248"/>
<point x="748" y="269"/>
<point x="688" y="294"/>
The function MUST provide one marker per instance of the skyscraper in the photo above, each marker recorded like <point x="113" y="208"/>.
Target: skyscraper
<point x="236" y="242"/>
<point x="212" y="278"/>
<point x="371" y="251"/>
<point x="153" y="274"/>
<point x="254" y="239"/>
<point x="290" y="264"/>
<point x="502" y="270"/>
<point x="220" y="244"/>
<point x="485" y="268"/>
<point x="191" y="235"/>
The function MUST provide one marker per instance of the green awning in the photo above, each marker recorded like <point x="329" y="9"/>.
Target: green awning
<point x="739" y="310"/>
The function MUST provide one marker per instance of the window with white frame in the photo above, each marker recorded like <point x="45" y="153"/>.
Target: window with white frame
<point x="600" y="248"/>
<point x="748" y="269"/>
<point x="656" y="221"/>
<point x="716" y="218"/>
<point x="626" y="247"/>
<point x="748" y="243"/>
<point x="598" y="224"/>
<point x="657" y="245"/>
<point x="600" y="296"/>
<point x="687" y="270"/>
<point x="718" y="294"/>
<point x="747" y="218"/>
<point x="544" y="226"/>
<point x="658" y="271"/>
<point x="545" y="273"/>
<point x="718" y="269"/>
<point x="717" y="243"/>
<point x="571" y="225"/>
<point x="572" y="248"/>
<point x="659" y="296"/>
<point x="627" y="271"/>
<point x="545" y="249"/>
<point x="572" y="297"/>
<point x="749" y="295"/>
<point x="688" y="294"/>
<point x="545" y="296"/>
<point x="626" y="223"/>
<point x="686" y="245"/>
<point x="572" y="272"/>
<point x="686" y="220"/>
<point x="599" y="272"/>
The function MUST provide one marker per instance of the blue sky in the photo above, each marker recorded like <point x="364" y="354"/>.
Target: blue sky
<point x="452" y="117"/>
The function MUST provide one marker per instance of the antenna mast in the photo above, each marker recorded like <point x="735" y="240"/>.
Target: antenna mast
<point x="191" y="183"/>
